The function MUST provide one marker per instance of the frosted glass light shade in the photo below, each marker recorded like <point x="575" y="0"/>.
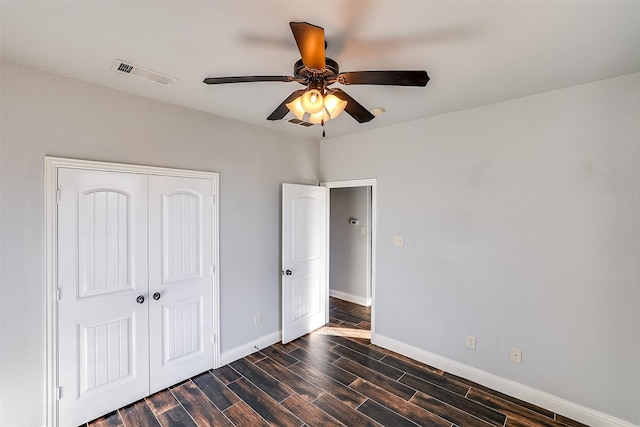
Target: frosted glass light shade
<point x="295" y="107"/>
<point x="334" y="105"/>
<point x="318" y="117"/>
<point x="312" y="101"/>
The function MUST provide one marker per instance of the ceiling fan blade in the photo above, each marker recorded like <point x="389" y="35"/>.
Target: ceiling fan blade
<point x="353" y="108"/>
<point x="392" y="78"/>
<point x="247" y="79"/>
<point x="282" y="109"/>
<point x="310" y="41"/>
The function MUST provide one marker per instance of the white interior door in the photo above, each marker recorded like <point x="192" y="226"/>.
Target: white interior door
<point x="305" y="287"/>
<point x="181" y="279"/>
<point x="102" y="281"/>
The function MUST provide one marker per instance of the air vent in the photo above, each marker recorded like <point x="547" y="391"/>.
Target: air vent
<point x="300" y="122"/>
<point x="125" y="68"/>
<point x="143" y="73"/>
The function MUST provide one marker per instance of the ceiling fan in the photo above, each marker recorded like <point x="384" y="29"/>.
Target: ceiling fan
<point x="318" y="103"/>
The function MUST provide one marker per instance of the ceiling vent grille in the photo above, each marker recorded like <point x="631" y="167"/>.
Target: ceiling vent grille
<point x="143" y="73"/>
<point x="300" y="122"/>
<point x="125" y="68"/>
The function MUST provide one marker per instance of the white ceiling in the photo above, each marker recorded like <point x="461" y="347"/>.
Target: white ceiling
<point x="476" y="52"/>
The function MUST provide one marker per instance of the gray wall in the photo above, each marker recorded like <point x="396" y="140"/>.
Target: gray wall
<point x="43" y="114"/>
<point x="348" y="248"/>
<point x="521" y="223"/>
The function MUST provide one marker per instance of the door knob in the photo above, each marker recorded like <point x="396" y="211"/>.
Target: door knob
<point x="140" y="299"/>
<point x="156" y="296"/>
<point x="288" y="272"/>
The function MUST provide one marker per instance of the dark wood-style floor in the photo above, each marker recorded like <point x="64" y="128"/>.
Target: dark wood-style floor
<point x="331" y="377"/>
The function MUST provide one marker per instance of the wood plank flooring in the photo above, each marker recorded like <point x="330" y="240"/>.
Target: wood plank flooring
<point x="331" y="377"/>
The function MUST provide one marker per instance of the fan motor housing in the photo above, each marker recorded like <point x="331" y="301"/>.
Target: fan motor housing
<point x="325" y="76"/>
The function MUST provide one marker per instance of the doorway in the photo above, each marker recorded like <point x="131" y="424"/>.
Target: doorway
<point x="350" y="244"/>
<point x="352" y="254"/>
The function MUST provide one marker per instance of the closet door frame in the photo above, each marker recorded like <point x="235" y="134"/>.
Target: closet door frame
<point x="51" y="166"/>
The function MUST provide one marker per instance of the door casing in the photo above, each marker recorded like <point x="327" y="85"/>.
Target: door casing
<point x="51" y="166"/>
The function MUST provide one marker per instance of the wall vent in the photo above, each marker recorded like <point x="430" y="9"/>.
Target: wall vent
<point x="300" y="122"/>
<point x="143" y="73"/>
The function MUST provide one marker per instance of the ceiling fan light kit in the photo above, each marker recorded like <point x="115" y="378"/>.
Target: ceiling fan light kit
<point x="311" y="106"/>
<point x="318" y="103"/>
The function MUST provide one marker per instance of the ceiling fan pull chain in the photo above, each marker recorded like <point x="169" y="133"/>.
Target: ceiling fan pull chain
<point x="322" y="124"/>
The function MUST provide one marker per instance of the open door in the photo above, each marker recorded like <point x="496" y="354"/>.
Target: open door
<point x="305" y="284"/>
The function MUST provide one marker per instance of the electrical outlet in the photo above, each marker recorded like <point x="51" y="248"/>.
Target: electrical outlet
<point x="516" y="355"/>
<point x="257" y="318"/>
<point x="471" y="342"/>
<point x="398" y="240"/>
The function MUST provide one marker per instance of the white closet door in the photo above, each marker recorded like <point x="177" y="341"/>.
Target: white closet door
<point x="102" y="271"/>
<point x="180" y="278"/>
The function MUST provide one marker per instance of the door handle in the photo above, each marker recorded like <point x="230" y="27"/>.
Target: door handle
<point x="140" y="299"/>
<point x="156" y="296"/>
<point x="288" y="273"/>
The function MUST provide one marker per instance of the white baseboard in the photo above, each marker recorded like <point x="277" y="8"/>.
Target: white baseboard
<point x="349" y="297"/>
<point x="545" y="400"/>
<point x="250" y="347"/>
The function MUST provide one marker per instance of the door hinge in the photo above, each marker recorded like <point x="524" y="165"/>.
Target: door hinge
<point x="213" y="339"/>
<point x="212" y="270"/>
<point x="58" y="393"/>
<point x="57" y="295"/>
<point x="58" y="196"/>
<point x="213" y="199"/>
